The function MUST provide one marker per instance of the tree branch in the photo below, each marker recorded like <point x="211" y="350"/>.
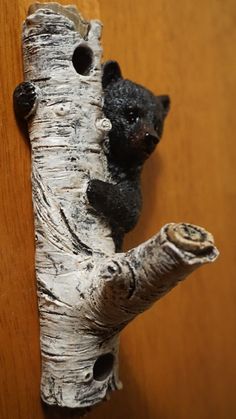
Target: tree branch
<point x="129" y="283"/>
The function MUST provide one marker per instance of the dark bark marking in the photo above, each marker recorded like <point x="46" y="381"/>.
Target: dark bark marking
<point x="78" y="244"/>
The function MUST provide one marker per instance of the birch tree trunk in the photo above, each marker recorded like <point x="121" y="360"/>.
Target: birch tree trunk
<point x="86" y="292"/>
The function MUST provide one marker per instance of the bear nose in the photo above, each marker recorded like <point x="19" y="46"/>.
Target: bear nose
<point x="151" y="138"/>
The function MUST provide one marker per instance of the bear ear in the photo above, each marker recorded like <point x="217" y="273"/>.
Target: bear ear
<point x="111" y="73"/>
<point x="165" y="101"/>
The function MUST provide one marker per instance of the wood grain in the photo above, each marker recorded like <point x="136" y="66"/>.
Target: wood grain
<point x="177" y="360"/>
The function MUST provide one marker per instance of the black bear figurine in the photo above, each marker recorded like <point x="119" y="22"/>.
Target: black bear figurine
<point x="137" y="118"/>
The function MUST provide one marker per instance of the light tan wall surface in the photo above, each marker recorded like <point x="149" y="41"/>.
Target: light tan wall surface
<point x="178" y="360"/>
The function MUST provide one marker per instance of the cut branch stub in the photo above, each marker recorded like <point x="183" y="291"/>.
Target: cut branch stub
<point x="86" y="292"/>
<point x="129" y="283"/>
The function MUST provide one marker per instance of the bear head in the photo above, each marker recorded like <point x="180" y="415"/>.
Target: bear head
<point x="136" y="114"/>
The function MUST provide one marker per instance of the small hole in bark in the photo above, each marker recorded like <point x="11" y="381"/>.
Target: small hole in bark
<point x="82" y="59"/>
<point x="88" y="376"/>
<point x="103" y="367"/>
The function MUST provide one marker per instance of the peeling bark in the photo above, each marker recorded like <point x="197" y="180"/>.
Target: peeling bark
<point x="86" y="292"/>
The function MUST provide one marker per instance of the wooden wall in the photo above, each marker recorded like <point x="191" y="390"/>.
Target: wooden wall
<point x="178" y="359"/>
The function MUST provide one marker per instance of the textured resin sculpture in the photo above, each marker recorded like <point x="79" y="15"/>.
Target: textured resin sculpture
<point x="84" y="183"/>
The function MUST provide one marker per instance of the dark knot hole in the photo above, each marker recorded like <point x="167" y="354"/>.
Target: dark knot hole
<point x="103" y="367"/>
<point x="82" y="59"/>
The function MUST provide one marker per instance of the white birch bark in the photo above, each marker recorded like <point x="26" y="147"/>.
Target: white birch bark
<point x="86" y="292"/>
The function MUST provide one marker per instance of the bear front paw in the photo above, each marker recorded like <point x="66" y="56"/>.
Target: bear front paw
<point x="95" y="192"/>
<point x="25" y="99"/>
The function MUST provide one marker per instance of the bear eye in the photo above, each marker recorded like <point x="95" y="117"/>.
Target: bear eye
<point x="132" y="115"/>
<point x="157" y="126"/>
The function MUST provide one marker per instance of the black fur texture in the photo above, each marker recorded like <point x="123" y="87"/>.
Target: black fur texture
<point x="137" y="118"/>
